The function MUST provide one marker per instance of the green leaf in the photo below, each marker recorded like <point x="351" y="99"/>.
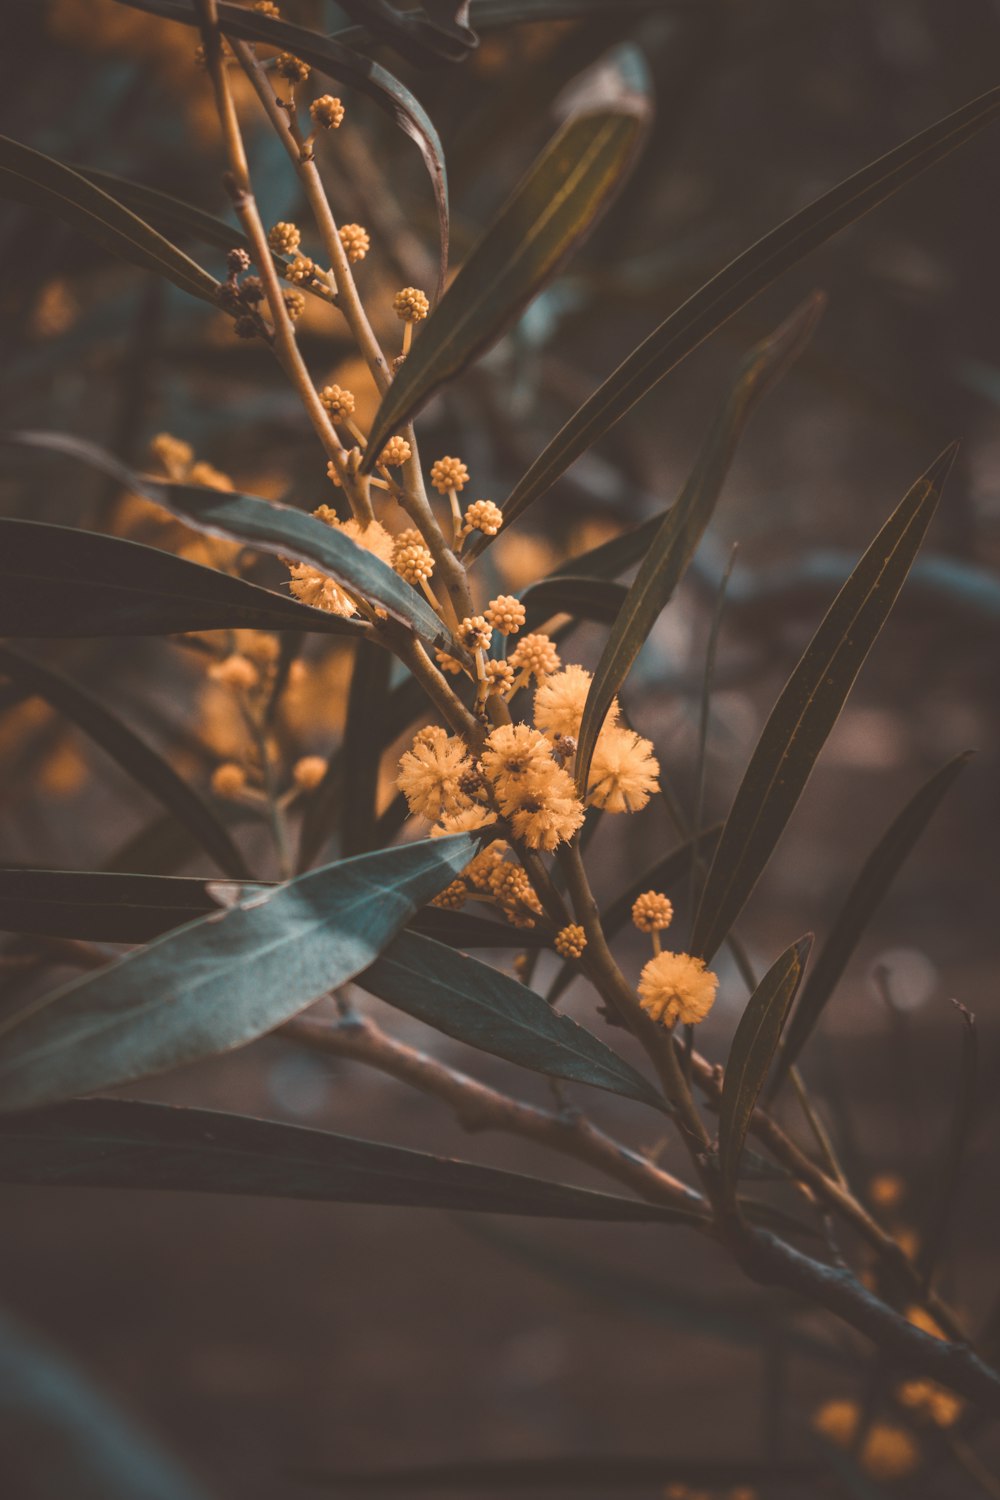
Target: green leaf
<point x="99" y="906"/>
<point x="608" y="1474"/>
<point x="738" y="283"/>
<point x="125" y="1143"/>
<point x="808" y="708"/>
<point x="549" y="213"/>
<point x="330" y="57"/>
<point x="38" y="180"/>
<point x="59" y="581"/>
<point x="460" y="929"/>
<point x="364" y="735"/>
<point x="480" y="1005"/>
<point x="262" y="524"/>
<point x="751" y="1054"/>
<point x="682" y="528"/>
<point x="863" y="900"/>
<point x="583" y="598"/>
<point x="612" y="557"/>
<point x="221" y="981"/>
<point x="137" y="758"/>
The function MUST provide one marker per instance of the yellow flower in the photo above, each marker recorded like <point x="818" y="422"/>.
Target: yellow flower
<point x="448" y="474"/>
<point x="483" y="515"/>
<point x="452" y="897"/>
<point x="623" y="773"/>
<point x="560" y="700"/>
<point x="429" y="774"/>
<point x="536" y="655"/>
<point x="308" y="772"/>
<point x="570" y="941"/>
<point x="229" y="779"/>
<point x="652" y="912"/>
<point x="542" y="806"/>
<point x="397" y="451"/>
<point x="313" y="587"/>
<point x="512" y="750"/>
<point x="327" y="112"/>
<point x="676" y="987"/>
<point x="466" y="820"/>
<point x="474" y="633"/>
<point x="411" y="304"/>
<point x="506" y="614"/>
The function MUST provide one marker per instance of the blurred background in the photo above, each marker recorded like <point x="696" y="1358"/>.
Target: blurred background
<point x="249" y="1336"/>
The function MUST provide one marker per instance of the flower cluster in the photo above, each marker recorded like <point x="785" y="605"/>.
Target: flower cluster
<point x="313" y="587"/>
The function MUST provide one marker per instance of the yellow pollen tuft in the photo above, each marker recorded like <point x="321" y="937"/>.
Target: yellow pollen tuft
<point x="676" y="987"/>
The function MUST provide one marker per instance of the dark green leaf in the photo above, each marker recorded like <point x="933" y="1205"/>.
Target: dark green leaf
<point x="863" y="900"/>
<point x="329" y="57"/>
<point x="261" y="524"/>
<point x="125" y="1143"/>
<point x="752" y="1053"/>
<point x="59" y="581"/>
<point x="549" y="213"/>
<point x="221" y="981"/>
<point x="807" y="710"/>
<point x="460" y="929"/>
<point x="739" y="282"/>
<point x="36" y="179"/>
<point x="138" y="759"/>
<point x="682" y="527"/>
<point x="485" y="1008"/>
<point x="100" y="906"/>
<point x="582" y="1471"/>
<point x="364" y="735"/>
<point x="613" y="557"/>
<point x="583" y="598"/>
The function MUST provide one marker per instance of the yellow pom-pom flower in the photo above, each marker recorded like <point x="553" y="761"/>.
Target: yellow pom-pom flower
<point x="676" y="987"/>
<point x="624" y="772"/>
<point x="429" y="776"/>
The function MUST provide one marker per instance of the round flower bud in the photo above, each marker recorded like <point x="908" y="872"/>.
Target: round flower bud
<point x="235" y="671"/>
<point x="499" y="677"/>
<point x="252" y="290"/>
<point x="174" y="454"/>
<point x="354" y="238"/>
<point x="229" y="779"/>
<point x="246" y="327"/>
<point x="237" y="261"/>
<point x="676" y="987"/>
<point x="886" y="1190"/>
<point x="506" y="614"/>
<point x="308" y="772"/>
<point x="570" y="941"/>
<point x="327" y="112"/>
<point x="652" y="912"/>
<point x="295" y="303"/>
<point x="267" y="8"/>
<point x="300" y="270"/>
<point x="452" y="897"/>
<point x="284" y="238"/>
<point x="411" y="305"/>
<point x="291" y="67"/>
<point x="474" y="633"/>
<point x="411" y="557"/>
<point x="396" y="452"/>
<point x="209" y="476"/>
<point x="337" y="401"/>
<point x="448" y="663"/>
<point x="484" y="516"/>
<point x="449" y="474"/>
<point x="535" y="654"/>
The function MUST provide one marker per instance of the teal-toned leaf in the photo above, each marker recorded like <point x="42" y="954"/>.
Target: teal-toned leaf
<point x="683" y="526"/>
<point x="752" y="1053"/>
<point x="584" y="598"/>
<point x="125" y="1143"/>
<point x="137" y="758"/>
<point x="485" y="1008"/>
<point x="738" y="283"/>
<point x="364" y="736"/>
<point x="221" y="981"/>
<point x="262" y="524"/>
<point x="608" y="1475"/>
<point x="549" y="213"/>
<point x="863" y="900"/>
<point x="330" y="57"/>
<point x="38" y="180"/>
<point x="807" y="709"/>
<point x="59" y="581"/>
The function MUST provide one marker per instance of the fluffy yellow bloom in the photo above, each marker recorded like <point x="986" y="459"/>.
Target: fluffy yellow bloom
<point x="536" y="655"/>
<point x="570" y="941"/>
<point x="652" y="912"/>
<point x="466" y="820"/>
<point x="676" y="987"/>
<point x="429" y="774"/>
<point x="542" y="806"/>
<point x="315" y="588"/>
<point x="560" y="700"/>
<point x="624" y="771"/>
<point x="511" y="751"/>
<point x="888" y="1452"/>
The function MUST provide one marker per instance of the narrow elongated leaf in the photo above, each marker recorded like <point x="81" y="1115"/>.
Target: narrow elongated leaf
<point x="608" y="1474"/>
<point x="752" y="1053"/>
<point x="460" y="929"/>
<point x="137" y="758"/>
<point x="612" y="557"/>
<point x="126" y="1143"/>
<point x="330" y="57"/>
<point x="964" y="1113"/>
<point x="59" y="581"/>
<point x="683" y="526"/>
<point x="38" y="180"/>
<point x="262" y="524"/>
<point x="367" y="703"/>
<point x="549" y="213"/>
<point x="863" y="900"/>
<point x="807" y="709"/>
<point x="221" y="981"/>
<point x="739" y="282"/>
<point x="477" y="1004"/>
<point x="583" y="598"/>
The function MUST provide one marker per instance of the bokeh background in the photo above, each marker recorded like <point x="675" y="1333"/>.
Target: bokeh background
<point x="250" y="1337"/>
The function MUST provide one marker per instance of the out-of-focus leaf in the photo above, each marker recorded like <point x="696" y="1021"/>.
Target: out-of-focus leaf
<point x="479" y="1005"/>
<point x="612" y="557"/>
<point x="126" y="1143"/>
<point x="221" y="981"/>
<point x="61" y="1437"/>
<point x="261" y="524"/>
<point x="364" y="736"/>
<point x="738" y="283"/>
<point x="752" y="1053"/>
<point x="583" y="598"/>
<point x="549" y="213"/>
<point x="460" y="929"/>
<point x="597" y="1471"/>
<point x="136" y="758"/>
<point x="808" y="708"/>
<point x="497" y="15"/>
<point x="965" y="1110"/>
<point x="59" y="581"/>
<point x="38" y="180"/>
<point x="330" y="57"/>
<point x="863" y="900"/>
<point x="684" y="524"/>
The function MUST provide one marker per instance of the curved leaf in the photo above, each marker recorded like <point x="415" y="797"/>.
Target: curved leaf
<point x="584" y="598"/>
<point x="863" y="900"/>
<point x="59" y="581"/>
<point x="479" y="1005"/>
<point x="807" y="709"/>
<point x="751" y="1054"/>
<point x="738" y="283"/>
<point x="460" y="929"/>
<point x="221" y="981"/>
<point x="329" y="56"/>
<point x="682" y="527"/>
<point x="549" y="213"/>
<point x="40" y="181"/>
<point x="138" y="759"/>
<point x="262" y="524"/>
<point x="127" y="1143"/>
